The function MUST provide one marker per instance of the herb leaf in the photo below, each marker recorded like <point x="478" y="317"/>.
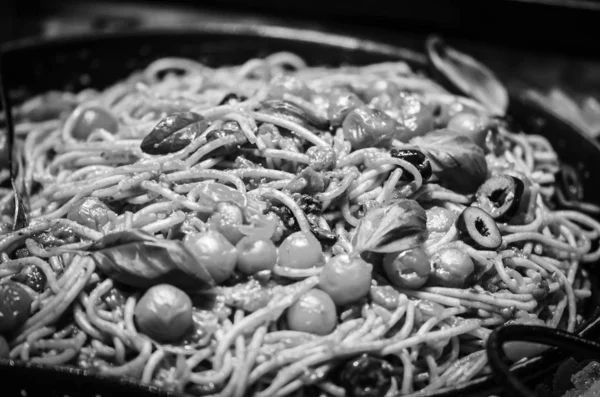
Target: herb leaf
<point x="141" y="260"/>
<point x="394" y="228"/>
<point x="456" y="160"/>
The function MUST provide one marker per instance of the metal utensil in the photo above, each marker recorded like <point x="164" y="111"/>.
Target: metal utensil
<point x="14" y="160"/>
<point x="567" y="342"/>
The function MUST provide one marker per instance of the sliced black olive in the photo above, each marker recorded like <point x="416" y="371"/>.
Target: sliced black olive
<point x="231" y="99"/>
<point x="479" y="229"/>
<point x="366" y="376"/>
<point x="4" y="348"/>
<point x="174" y="133"/>
<point x="416" y="158"/>
<point x="500" y="196"/>
<point x="32" y="277"/>
<point x="570" y="183"/>
<point x="293" y="112"/>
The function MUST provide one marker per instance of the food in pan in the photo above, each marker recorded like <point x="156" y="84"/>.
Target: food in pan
<point x="274" y="229"/>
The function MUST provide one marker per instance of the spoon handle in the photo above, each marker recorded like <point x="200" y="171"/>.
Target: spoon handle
<point x="567" y="342"/>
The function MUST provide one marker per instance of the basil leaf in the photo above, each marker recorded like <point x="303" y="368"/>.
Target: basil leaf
<point x="456" y="160"/>
<point x="141" y="260"/>
<point x="394" y="228"/>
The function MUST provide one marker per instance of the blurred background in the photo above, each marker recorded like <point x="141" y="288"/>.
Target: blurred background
<point x="545" y="46"/>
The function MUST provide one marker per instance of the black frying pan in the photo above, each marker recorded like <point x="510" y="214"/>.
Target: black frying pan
<point x="73" y="64"/>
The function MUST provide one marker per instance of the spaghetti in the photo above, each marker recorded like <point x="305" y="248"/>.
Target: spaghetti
<point x="326" y="215"/>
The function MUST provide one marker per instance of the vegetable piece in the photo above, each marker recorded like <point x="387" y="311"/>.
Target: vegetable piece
<point x="227" y="219"/>
<point x="15" y="307"/>
<point x="478" y="229"/>
<point x="294" y="112"/>
<point x="91" y="212"/>
<point x="393" y="228"/>
<point x="385" y="296"/>
<point x="325" y="236"/>
<point x="4" y="348"/>
<point x="407" y="269"/>
<point x="467" y="76"/>
<point x="383" y="87"/>
<point x="340" y="104"/>
<point x="309" y="181"/>
<point x="174" y="133"/>
<point x="314" y="312"/>
<point x="300" y="251"/>
<point x="164" y="313"/>
<point x="416" y="158"/>
<point x="321" y="158"/>
<point x="136" y="258"/>
<point x="366" y="376"/>
<point x="232" y="98"/>
<point x="210" y="193"/>
<point x="456" y="160"/>
<point x="214" y="252"/>
<point x="228" y="129"/>
<point x="31" y="276"/>
<point x="451" y="268"/>
<point x="284" y="83"/>
<point x="346" y="279"/>
<point x="366" y="127"/>
<point x="91" y="119"/>
<point x="500" y="196"/>
<point x="255" y="255"/>
<point x="440" y="219"/>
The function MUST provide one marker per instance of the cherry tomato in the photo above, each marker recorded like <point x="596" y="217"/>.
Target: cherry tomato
<point x="90" y="212"/>
<point x="407" y="269"/>
<point x="314" y="312"/>
<point x="214" y="251"/>
<point x="227" y="220"/>
<point x="4" y="348"/>
<point x="164" y="313"/>
<point x="471" y="125"/>
<point x="91" y="119"/>
<point x="255" y="255"/>
<point x="340" y="104"/>
<point x="416" y="116"/>
<point x="288" y="84"/>
<point x="452" y="268"/>
<point x="300" y="251"/>
<point x="346" y="279"/>
<point x="15" y="307"/>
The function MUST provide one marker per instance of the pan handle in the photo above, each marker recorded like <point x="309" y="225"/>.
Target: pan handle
<point x="569" y="343"/>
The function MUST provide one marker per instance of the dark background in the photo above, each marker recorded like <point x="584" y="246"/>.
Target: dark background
<point x="528" y="43"/>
